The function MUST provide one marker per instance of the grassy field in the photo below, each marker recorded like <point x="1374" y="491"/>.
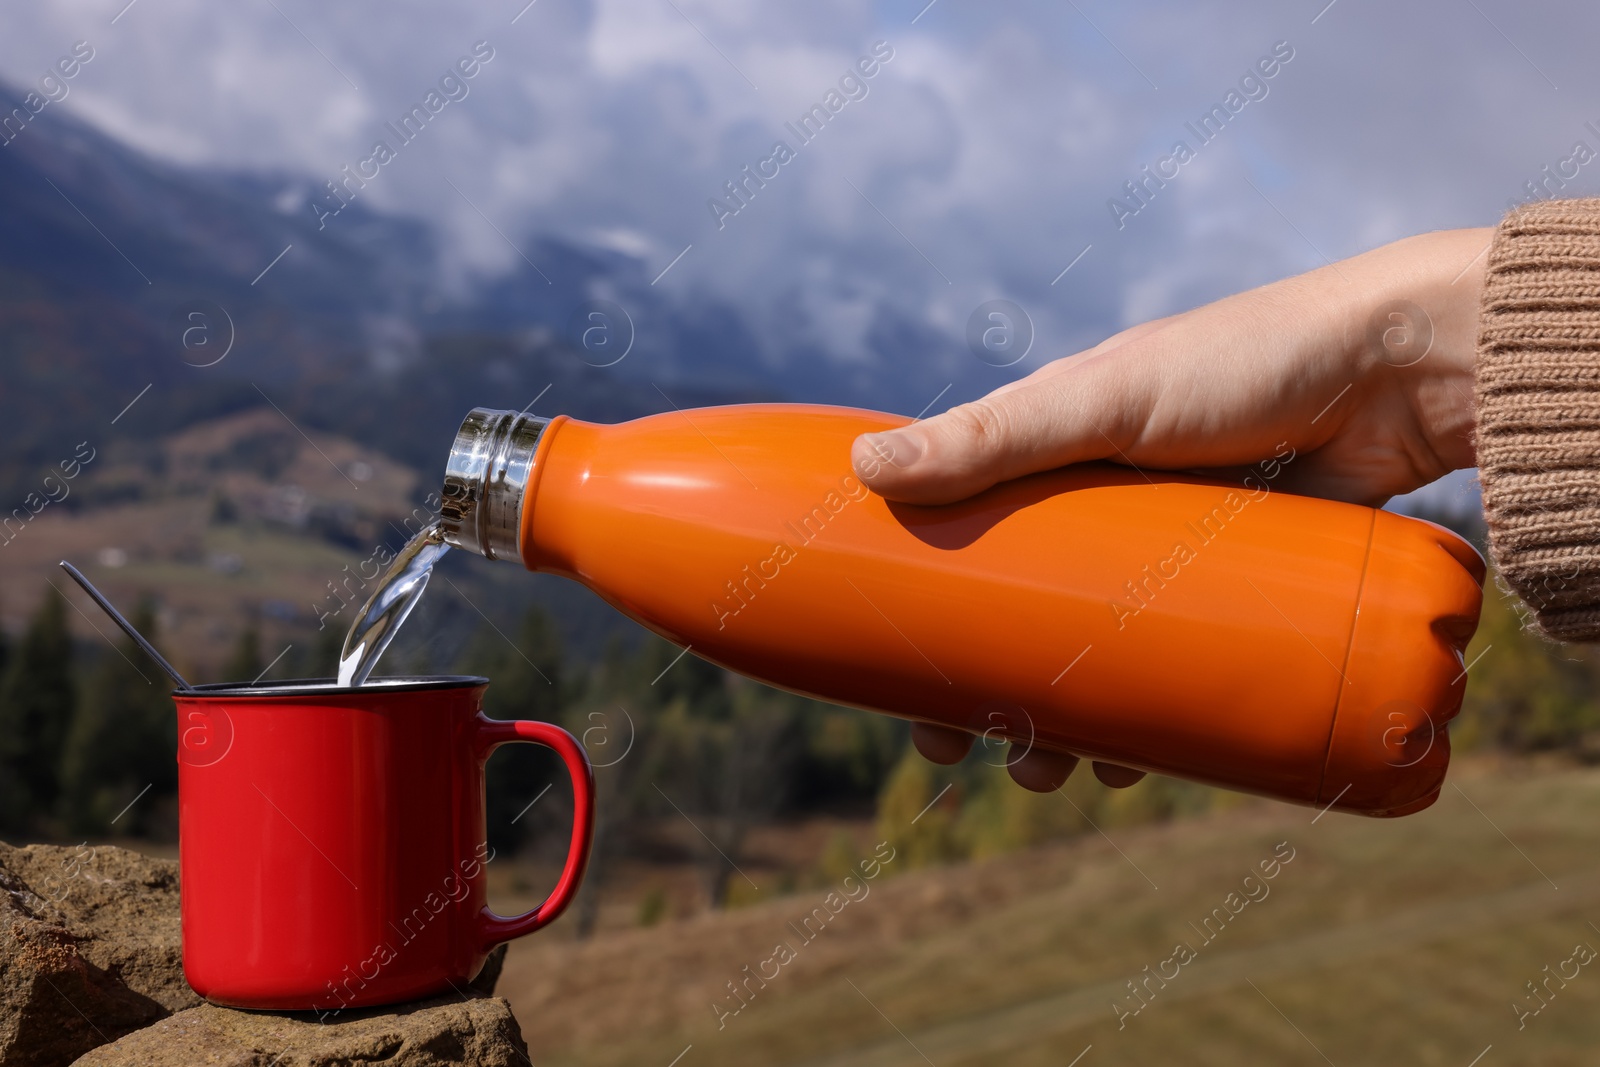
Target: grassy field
<point x="1378" y="942"/>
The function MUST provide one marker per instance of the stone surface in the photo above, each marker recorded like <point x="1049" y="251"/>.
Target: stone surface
<point x="91" y="957"/>
<point x="89" y="949"/>
<point x="480" y="1032"/>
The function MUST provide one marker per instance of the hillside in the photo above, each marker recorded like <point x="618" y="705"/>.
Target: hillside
<point x="1377" y="943"/>
<point x="243" y="519"/>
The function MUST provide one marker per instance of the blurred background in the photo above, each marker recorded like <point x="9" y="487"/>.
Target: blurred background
<point x="257" y="261"/>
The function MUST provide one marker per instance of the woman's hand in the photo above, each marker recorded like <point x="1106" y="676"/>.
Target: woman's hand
<point x="1364" y="368"/>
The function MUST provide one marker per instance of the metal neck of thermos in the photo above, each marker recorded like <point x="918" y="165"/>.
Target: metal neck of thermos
<point x="486" y="479"/>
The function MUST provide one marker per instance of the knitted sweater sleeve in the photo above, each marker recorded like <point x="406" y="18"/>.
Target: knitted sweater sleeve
<point x="1538" y="411"/>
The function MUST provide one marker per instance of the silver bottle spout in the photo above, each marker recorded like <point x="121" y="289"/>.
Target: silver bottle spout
<point x="485" y="480"/>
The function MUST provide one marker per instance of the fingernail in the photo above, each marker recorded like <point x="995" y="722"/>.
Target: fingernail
<point x="896" y="449"/>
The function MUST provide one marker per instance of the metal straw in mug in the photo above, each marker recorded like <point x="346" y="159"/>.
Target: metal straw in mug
<point x="127" y="627"/>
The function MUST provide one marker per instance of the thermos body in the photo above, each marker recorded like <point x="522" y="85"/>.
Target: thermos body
<point x="1231" y="634"/>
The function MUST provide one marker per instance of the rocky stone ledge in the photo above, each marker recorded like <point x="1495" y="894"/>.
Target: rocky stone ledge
<point x="448" y="1030"/>
<point x="91" y="966"/>
<point x="90" y="949"/>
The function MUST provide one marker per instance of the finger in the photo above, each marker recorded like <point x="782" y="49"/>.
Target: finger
<point x="1116" y="776"/>
<point x="1091" y="411"/>
<point x="940" y="744"/>
<point x="1041" y="771"/>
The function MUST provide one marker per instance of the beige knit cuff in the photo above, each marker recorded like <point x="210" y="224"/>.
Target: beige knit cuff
<point x="1538" y="412"/>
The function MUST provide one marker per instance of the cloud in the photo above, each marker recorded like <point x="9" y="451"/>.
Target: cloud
<point x="978" y="165"/>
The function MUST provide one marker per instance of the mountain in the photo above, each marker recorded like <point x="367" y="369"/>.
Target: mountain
<point x="118" y="272"/>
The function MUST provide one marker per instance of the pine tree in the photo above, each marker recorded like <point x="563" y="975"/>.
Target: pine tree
<point x="677" y="675"/>
<point x="123" y="739"/>
<point x="617" y="718"/>
<point x="245" y="663"/>
<point x="321" y="657"/>
<point x="36" y="710"/>
<point x="526" y="682"/>
<point x="5" y="651"/>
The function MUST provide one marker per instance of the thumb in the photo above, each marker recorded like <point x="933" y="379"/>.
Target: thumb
<point x="1093" y="411"/>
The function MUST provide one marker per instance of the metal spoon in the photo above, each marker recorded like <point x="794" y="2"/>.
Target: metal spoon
<point x="127" y="627"/>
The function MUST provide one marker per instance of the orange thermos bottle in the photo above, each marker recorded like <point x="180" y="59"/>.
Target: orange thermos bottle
<point x="1226" y="633"/>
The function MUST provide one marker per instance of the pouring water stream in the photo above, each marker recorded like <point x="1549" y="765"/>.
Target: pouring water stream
<point x="386" y="610"/>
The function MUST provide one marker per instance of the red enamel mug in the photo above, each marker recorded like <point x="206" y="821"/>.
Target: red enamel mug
<point x="332" y="841"/>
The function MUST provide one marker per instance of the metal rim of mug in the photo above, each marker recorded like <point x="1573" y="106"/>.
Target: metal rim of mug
<point x="318" y="687"/>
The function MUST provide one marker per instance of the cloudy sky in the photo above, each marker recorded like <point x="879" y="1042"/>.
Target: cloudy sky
<point x="978" y="164"/>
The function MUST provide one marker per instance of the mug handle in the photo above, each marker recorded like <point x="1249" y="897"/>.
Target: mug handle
<point x="492" y="733"/>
